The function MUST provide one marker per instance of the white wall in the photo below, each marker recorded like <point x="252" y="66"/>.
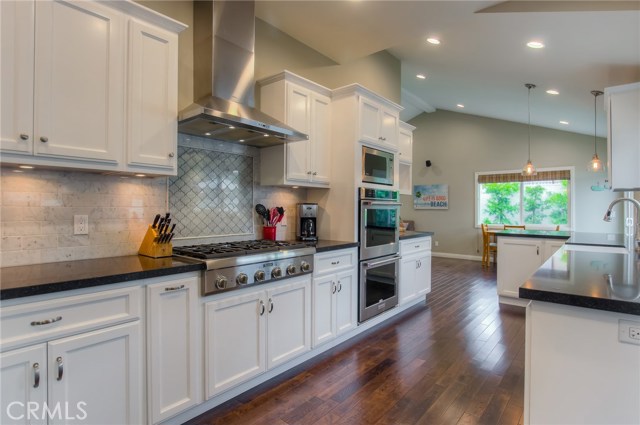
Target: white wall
<point x="460" y="145"/>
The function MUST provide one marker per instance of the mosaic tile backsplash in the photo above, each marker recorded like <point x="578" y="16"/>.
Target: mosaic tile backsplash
<point x="212" y="194"/>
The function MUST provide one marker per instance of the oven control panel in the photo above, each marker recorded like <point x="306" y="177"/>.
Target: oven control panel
<point x="236" y="277"/>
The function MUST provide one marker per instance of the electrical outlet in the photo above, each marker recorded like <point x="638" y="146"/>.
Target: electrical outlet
<point x="629" y="332"/>
<point x="436" y="243"/>
<point x="80" y="224"/>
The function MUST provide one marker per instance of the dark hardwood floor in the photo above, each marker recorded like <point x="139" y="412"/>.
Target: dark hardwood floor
<point x="457" y="359"/>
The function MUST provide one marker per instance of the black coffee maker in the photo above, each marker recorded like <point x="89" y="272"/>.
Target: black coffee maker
<point x="306" y="229"/>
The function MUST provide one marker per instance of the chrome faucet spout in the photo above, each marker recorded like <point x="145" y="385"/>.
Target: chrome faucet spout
<point x="607" y="218"/>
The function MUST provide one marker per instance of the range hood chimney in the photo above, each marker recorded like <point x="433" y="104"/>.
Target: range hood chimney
<point x="223" y="49"/>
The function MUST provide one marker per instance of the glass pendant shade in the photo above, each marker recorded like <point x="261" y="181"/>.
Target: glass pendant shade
<point x="529" y="169"/>
<point x="595" y="165"/>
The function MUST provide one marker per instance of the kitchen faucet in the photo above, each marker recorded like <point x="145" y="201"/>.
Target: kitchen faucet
<point x="607" y="218"/>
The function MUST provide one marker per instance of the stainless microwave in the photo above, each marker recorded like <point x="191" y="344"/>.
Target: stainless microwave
<point x="377" y="166"/>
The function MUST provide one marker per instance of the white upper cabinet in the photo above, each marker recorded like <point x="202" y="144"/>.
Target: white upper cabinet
<point x="379" y="123"/>
<point x="405" y="142"/>
<point x="88" y="86"/>
<point x="622" y="104"/>
<point x="152" y="97"/>
<point x="305" y="106"/>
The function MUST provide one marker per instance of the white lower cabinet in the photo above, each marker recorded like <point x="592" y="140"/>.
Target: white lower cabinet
<point x="173" y="351"/>
<point x="73" y="359"/>
<point x="519" y="258"/>
<point x="95" y="377"/>
<point x="335" y="294"/>
<point x="247" y="334"/>
<point x="415" y="269"/>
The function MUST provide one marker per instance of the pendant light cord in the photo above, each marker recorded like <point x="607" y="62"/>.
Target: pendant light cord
<point x="529" y="111"/>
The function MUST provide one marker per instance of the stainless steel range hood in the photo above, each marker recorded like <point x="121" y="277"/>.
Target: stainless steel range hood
<point x="224" y="45"/>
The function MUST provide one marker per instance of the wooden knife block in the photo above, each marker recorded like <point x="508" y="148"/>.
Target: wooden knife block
<point x="152" y="249"/>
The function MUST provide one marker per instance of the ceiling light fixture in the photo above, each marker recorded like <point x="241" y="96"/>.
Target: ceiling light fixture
<point x="433" y="40"/>
<point x="535" y="45"/>
<point x="460" y="105"/>
<point x="595" y="165"/>
<point x="553" y="92"/>
<point x="26" y="167"/>
<point x="421" y="77"/>
<point x="564" y="122"/>
<point x="529" y="169"/>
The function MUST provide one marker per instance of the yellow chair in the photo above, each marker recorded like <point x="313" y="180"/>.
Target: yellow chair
<point x="488" y="247"/>
<point x="513" y="226"/>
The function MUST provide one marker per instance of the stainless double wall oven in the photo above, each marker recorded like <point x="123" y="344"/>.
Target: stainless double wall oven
<point x="379" y="251"/>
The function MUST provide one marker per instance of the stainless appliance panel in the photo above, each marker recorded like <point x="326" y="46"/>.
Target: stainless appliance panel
<point x="377" y="166"/>
<point x="379" y="228"/>
<point x="378" y="286"/>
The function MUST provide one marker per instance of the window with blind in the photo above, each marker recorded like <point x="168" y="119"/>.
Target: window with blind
<point x="511" y="198"/>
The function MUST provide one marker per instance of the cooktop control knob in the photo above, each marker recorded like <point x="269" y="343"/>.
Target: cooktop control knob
<point x="259" y="276"/>
<point x="305" y="267"/>
<point x="242" y="279"/>
<point x="291" y="269"/>
<point x="276" y="272"/>
<point x="221" y="282"/>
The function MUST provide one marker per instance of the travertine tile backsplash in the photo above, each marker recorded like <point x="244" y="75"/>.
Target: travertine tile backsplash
<point x="37" y="209"/>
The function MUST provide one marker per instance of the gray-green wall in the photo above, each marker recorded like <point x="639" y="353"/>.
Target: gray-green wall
<point x="460" y="145"/>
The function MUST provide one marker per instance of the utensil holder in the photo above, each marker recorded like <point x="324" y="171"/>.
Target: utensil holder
<point x="151" y="248"/>
<point x="269" y="233"/>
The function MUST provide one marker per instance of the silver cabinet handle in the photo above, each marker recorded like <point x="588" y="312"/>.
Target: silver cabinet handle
<point x="308" y="172"/>
<point x="24" y="136"/>
<point x="44" y="139"/>
<point x="339" y="286"/>
<point x="262" y="309"/>
<point x="537" y="250"/>
<point x="171" y="154"/>
<point x="36" y="375"/>
<point x="315" y="173"/>
<point x="174" y="288"/>
<point x="60" y="368"/>
<point x="270" y="305"/>
<point x="333" y="263"/>
<point x="334" y="287"/>
<point x="46" y="322"/>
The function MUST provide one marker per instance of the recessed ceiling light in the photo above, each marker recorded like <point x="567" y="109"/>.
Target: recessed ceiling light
<point x="207" y="134"/>
<point x="241" y="140"/>
<point x="433" y="40"/>
<point x="460" y="105"/>
<point x="554" y="92"/>
<point x="266" y="135"/>
<point x="564" y="122"/>
<point x="141" y="175"/>
<point x="26" y="167"/>
<point x="535" y="44"/>
<point x="231" y="127"/>
<point x="421" y="77"/>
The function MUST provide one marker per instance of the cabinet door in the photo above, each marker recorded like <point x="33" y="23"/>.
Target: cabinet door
<point x="324" y="314"/>
<point x="405" y="145"/>
<point x="423" y="276"/>
<point x="99" y="375"/>
<point x="320" y="152"/>
<point x="23" y="379"/>
<point x="16" y="84"/>
<point x="298" y="117"/>
<point x="407" y="285"/>
<point x="389" y="129"/>
<point x="79" y="81"/>
<point x="624" y="133"/>
<point x="289" y="321"/>
<point x="173" y="362"/>
<point x="152" y="96"/>
<point x="551" y="247"/>
<point x="369" y="121"/>
<point x="346" y="300"/>
<point x="518" y="259"/>
<point x="235" y="331"/>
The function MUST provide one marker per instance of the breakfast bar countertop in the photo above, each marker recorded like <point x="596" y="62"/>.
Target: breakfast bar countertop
<point x="37" y="279"/>
<point x="532" y="233"/>
<point x="607" y="281"/>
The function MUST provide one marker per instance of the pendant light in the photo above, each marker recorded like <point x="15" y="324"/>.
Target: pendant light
<point x="595" y="165"/>
<point x="529" y="169"/>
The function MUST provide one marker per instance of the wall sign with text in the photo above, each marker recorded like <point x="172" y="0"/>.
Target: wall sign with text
<point x="431" y="197"/>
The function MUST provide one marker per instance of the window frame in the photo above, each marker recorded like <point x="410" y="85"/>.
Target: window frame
<point x="571" y="190"/>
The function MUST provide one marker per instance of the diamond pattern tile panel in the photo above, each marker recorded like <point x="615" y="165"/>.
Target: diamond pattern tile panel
<point x="212" y="194"/>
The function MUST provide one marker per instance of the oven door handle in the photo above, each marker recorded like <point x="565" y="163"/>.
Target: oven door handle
<point x="383" y="262"/>
<point x="386" y="204"/>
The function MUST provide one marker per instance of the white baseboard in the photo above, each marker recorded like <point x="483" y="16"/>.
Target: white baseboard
<point x="458" y="256"/>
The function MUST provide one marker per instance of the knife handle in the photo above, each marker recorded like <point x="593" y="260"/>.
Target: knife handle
<point x="155" y="221"/>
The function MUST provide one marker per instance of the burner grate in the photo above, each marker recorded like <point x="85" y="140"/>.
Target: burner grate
<point x="234" y="249"/>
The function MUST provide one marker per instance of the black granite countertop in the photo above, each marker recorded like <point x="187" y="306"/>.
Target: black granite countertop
<point x="36" y="279"/>
<point x="580" y="278"/>
<point x="325" y="245"/>
<point x="410" y="234"/>
<point x="524" y="233"/>
<point x="597" y="239"/>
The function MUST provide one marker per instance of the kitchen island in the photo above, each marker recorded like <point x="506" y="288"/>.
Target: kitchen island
<point x="582" y="362"/>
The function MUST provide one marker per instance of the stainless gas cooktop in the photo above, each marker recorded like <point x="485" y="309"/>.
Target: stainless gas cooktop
<point x="235" y="265"/>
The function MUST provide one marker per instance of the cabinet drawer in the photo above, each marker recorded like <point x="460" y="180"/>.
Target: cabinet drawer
<point x="413" y="246"/>
<point x="40" y="321"/>
<point x="328" y="262"/>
